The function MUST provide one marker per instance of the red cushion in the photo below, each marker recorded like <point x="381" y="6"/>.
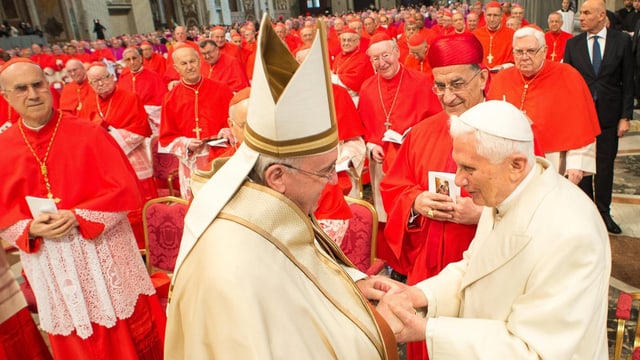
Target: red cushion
<point x="165" y="223"/>
<point x="164" y="165"/>
<point x="623" y="309"/>
<point x="356" y="244"/>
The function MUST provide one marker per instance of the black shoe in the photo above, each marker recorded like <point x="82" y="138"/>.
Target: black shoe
<point x="612" y="227"/>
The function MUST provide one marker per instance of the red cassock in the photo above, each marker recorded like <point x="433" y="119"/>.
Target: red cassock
<point x="73" y="95"/>
<point x="427" y="246"/>
<point x="234" y="51"/>
<point x="333" y="42"/>
<point x="403" y="47"/>
<point x="496" y="45"/>
<point x="251" y="60"/>
<point x="352" y="69"/>
<point x="148" y="85"/>
<point x="84" y="57"/>
<point x="412" y="62"/>
<point x="81" y="183"/>
<point x="227" y="70"/>
<point x="408" y="99"/>
<point x="20" y="338"/>
<point x="332" y="204"/>
<point x="556" y="42"/>
<point x="103" y="54"/>
<point x="122" y="110"/>
<point x="179" y="112"/>
<point x="8" y="115"/>
<point x="558" y="102"/>
<point x="44" y="60"/>
<point x="423" y="249"/>
<point x="156" y="63"/>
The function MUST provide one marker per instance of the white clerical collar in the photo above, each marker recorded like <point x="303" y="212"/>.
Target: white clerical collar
<point x="514" y="194"/>
<point x="34" y="128"/>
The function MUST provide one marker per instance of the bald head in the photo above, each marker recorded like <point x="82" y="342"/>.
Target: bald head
<point x="26" y="89"/>
<point x="187" y="63"/>
<point x="75" y="69"/>
<point x="593" y="16"/>
<point x="180" y="34"/>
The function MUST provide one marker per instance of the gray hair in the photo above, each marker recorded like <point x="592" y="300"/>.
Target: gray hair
<point x="529" y="31"/>
<point x="264" y="162"/>
<point x="491" y="147"/>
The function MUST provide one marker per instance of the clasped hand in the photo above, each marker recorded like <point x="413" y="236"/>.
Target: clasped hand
<point x="53" y="226"/>
<point x="398" y="308"/>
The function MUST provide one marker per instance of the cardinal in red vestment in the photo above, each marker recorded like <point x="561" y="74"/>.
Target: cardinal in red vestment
<point x="496" y="39"/>
<point x="426" y="230"/>
<point x="193" y="111"/>
<point x="92" y="289"/>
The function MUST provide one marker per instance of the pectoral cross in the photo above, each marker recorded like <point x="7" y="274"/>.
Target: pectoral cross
<point x="197" y="130"/>
<point x="553" y="56"/>
<point x="387" y="124"/>
<point x="490" y="58"/>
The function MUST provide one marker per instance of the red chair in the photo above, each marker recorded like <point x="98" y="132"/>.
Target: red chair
<point x="25" y="287"/>
<point x="359" y="242"/>
<point x="163" y="222"/>
<point x="165" y="171"/>
<point x="623" y="314"/>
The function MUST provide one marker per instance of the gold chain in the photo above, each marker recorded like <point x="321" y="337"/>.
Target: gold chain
<point x="197" y="129"/>
<point x="526" y="87"/>
<point x="43" y="162"/>
<point x="104" y="116"/>
<point x="387" y="115"/>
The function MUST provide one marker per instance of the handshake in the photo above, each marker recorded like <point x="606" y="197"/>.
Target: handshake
<point x="402" y="306"/>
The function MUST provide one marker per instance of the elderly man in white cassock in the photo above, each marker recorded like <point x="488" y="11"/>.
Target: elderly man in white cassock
<point x="534" y="282"/>
<point x="255" y="277"/>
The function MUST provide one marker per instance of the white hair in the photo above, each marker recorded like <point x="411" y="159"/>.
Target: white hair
<point x="529" y="31"/>
<point x="491" y="147"/>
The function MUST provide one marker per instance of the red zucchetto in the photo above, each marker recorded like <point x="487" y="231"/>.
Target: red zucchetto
<point x="455" y="49"/>
<point x="417" y="39"/>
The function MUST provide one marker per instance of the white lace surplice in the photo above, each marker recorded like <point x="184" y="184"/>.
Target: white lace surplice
<point x="78" y="281"/>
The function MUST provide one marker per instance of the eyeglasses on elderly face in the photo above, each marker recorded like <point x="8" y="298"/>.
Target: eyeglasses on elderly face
<point x="100" y="79"/>
<point x="454" y="87"/>
<point x="529" y="52"/>
<point x="327" y="174"/>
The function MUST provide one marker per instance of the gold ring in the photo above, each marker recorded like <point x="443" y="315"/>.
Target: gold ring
<point x="430" y="213"/>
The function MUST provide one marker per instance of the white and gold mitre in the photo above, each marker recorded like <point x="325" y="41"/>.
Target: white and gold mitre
<point x="291" y="114"/>
<point x="291" y="111"/>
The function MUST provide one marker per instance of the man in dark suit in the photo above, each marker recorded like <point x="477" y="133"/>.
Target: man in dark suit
<point x="603" y="57"/>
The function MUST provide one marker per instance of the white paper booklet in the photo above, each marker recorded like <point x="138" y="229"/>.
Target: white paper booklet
<point x="221" y="142"/>
<point x="443" y="183"/>
<point x="395" y="137"/>
<point x="39" y="205"/>
<point x="343" y="166"/>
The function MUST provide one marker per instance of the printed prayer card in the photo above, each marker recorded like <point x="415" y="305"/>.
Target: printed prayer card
<point x="443" y="183"/>
<point x="38" y="205"/>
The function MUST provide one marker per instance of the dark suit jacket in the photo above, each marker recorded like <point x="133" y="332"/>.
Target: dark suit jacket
<point x="614" y="82"/>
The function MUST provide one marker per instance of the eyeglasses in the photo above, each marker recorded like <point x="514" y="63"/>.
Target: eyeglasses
<point x="99" y="80"/>
<point x="23" y="89"/>
<point x="530" y="52"/>
<point x="384" y="57"/>
<point x="348" y="40"/>
<point x="328" y="175"/>
<point x="455" y="87"/>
